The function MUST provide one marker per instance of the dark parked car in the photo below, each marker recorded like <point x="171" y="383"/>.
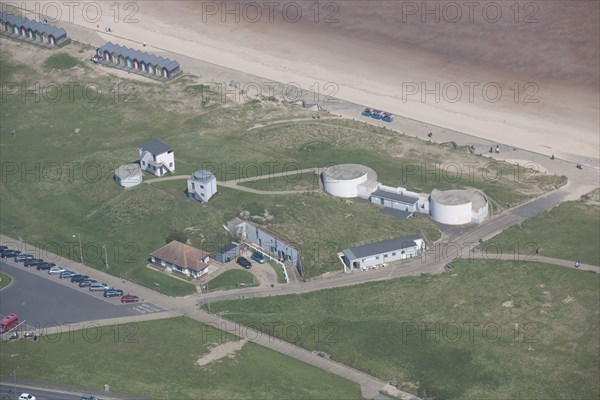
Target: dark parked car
<point x="79" y="278"/>
<point x="244" y="262"/>
<point x="258" y="257"/>
<point x="23" y="257"/>
<point x="32" y="262"/>
<point x="10" y="253"/>
<point x="86" y="283"/>
<point x="45" y="266"/>
<point x="113" y="293"/>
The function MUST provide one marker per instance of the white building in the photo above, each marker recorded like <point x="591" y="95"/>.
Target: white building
<point x="202" y="185"/>
<point x="129" y="175"/>
<point x="349" y="180"/>
<point x="458" y="207"/>
<point x="379" y="253"/>
<point x="157" y="157"/>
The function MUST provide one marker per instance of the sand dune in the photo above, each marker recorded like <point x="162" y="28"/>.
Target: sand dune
<point x="386" y="55"/>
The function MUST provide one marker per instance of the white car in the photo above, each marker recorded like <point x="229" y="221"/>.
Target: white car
<point x="99" y="287"/>
<point x="56" y="270"/>
<point x="26" y="396"/>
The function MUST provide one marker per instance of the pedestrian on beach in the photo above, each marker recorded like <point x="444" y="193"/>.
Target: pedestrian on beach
<point x="430" y="134"/>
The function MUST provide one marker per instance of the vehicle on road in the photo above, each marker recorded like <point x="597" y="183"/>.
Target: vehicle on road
<point x="89" y="397"/>
<point x="10" y="253"/>
<point x="99" y="287"/>
<point x="87" y="283"/>
<point x="67" y="274"/>
<point x="23" y="257"/>
<point x="33" y="262"/>
<point x="367" y="112"/>
<point x="128" y="298"/>
<point x="244" y="262"/>
<point x="258" y="257"/>
<point x="113" y="293"/>
<point x="56" y="270"/>
<point x="45" y="266"/>
<point x="79" y="278"/>
<point x="26" y="396"/>
<point x="9" y="322"/>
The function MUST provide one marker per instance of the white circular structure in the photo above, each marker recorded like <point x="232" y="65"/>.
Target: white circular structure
<point x="129" y="175"/>
<point x="458" y="207"/>
<point x="343" y="180"/>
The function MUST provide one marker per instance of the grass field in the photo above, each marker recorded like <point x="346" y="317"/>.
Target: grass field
<point x="231" y="280"/>
<point x="291" y="181"/>
<point x="278" y="271"/>
<point x="6" y="280"/>
<point x="57" y="171"/>
<point x="570" y="231"/>
<point x="453" y="335"/>
<point x="169" y="369"/>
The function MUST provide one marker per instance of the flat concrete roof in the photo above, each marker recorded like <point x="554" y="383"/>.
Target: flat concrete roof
<point x="128" y="171"/>
<point x="458" y="197"/>
<point x="349" y="171"/>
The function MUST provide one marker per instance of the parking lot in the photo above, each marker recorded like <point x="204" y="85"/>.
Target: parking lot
<point x="44" y="300"/>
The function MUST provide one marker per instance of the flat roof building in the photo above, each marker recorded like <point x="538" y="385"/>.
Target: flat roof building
<point x="374" y="254"/>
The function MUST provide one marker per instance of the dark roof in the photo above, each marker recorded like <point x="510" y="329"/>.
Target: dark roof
<point x="34" y="25"/>
<point x="228" y="247"/>
<point x="203" y="175"/>
<point x="386" y="246"/>
<point x="141" y="56"/>
<point x="395" y="196"/>
<point x="182" y="255"/>
<point x="396" y="213"/>
<point x="155" y="146"/>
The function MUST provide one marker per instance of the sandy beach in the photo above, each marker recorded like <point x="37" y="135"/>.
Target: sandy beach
<point x="526" y="76"/>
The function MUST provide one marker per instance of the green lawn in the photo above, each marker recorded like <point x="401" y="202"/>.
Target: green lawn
<point x="570" y="231"/>
<point x="156" y="359"/>
<point x="61" y="61"/>
<point x="231" y="279"/>
<point x="453" y="335"/>
<point x="6" y="280"/>
<point x="278" y="271"/>
<point x="291" y="181"/>
<point x="58" y="170"/>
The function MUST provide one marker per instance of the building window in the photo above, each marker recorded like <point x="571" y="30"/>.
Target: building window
<point x="402" y="252"/>
<point x="385" y="256"/>
<point x="193" y="186"/>
<point x="143" y="162"/>
<point x="201" y="186"/>
<point x="170" y="164"/>
<point x="393" y="254"/>
<point x="377" y="257"/>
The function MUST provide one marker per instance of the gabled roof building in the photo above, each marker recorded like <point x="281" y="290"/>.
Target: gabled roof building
<point x="33" y="31"/>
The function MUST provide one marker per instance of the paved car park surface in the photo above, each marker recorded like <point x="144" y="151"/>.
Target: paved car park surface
<point x="47" y="300"/>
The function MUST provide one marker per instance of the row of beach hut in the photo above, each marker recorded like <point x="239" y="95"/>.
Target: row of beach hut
<point x="137" y="61"/>
<point x="24" y="28"/>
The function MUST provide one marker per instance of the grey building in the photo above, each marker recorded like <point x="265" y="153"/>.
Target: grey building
<point x="369" y="255"/>
<point x="202" y="185"/>
<point x="228" y="252"/>
<point x="137" y="61"/>
<point x="34" y="31"/>
<point x="271" y="244"/>
<point x="395" y="200"/>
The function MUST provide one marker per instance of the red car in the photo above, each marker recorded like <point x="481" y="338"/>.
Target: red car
<point x="128" y="298"/>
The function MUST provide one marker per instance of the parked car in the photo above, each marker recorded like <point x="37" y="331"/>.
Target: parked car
<point x="26" y="396"/>
<point x="79" y="278"/>
<point x="244" y="262"/>
<point x="45" y="266"/>
<point x="113" y="293"/>
<point x="10" y="253"/>
<point x="258" y="257"/>
<point x="32" y="262"/>
<point x="98" y="287"/>
<point x="128" y="298"/>
<point x="2" y="248"/>
<point x="56" y="270"/>
<point x="88" y="397"/>
<point x="23" y="257"/>
<point x="87" y="283"/>
<point x="67" y="274"/>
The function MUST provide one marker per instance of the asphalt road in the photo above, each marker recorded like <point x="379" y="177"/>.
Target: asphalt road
<point x="7" y="392"/>
<point x="47" y="300"/>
